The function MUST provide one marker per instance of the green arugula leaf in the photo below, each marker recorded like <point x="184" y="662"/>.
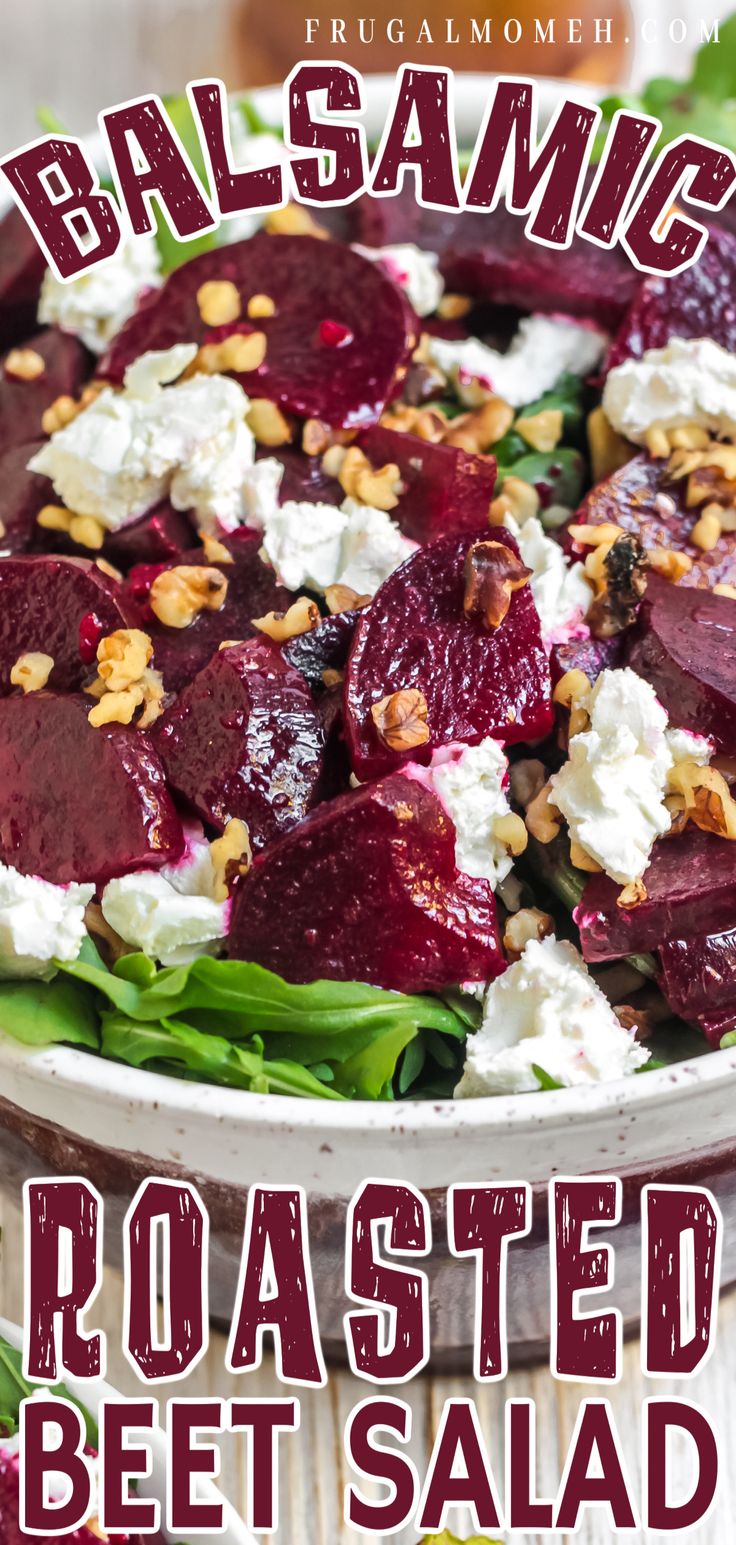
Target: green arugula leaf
<point x="545" y="1080"/>
<point x="46" y="1013"/>
<point x="714" y="69"/>
<point x="14" y="1388"/>
<point x="705" y="105"/>
<point x="178" y="1048"/>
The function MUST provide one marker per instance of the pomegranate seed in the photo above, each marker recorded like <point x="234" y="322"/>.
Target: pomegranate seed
<point x="334" y="334"/>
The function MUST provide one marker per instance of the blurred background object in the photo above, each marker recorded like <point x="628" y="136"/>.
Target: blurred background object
<point x="77" y="56"/>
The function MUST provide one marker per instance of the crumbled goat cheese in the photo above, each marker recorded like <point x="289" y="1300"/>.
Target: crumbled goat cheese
<point x="470" y="781"/>
<point x="171" y="915"/>
<point x="561" y="592"/>
<point x="414" y="270"/>
<point x="690" y="381"/>
<point x="39" y="923"/>
<point x="95" y="306"/>
<point x="611" y="790"/>
<point x="546" y="1011"/>
<point x="544" y="349"/>
<point x="318" y="545"/>
<point x="188" y="441"/>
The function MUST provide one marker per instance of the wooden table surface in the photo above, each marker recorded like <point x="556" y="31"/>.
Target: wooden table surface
<point x="313" y="1466"/>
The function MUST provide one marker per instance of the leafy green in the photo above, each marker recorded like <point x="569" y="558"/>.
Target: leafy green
<point x="236" y="1024"/>
<point x="14" y="1388"/>
<point x="545" y="1080"/>
<point x="44" y="1013"/>
<point x="704" y="105"/>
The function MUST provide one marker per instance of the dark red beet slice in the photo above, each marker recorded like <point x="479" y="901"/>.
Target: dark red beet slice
<point x="23" y="403"/>
<point x="691" y="889"/>
<point x="685" y="645"/>
<point x="42" y="603"/>
<point x="366" y="890"/>
<point x="303" y="479"/>
<point x="22" y="267"/>
<point x="445" y="489"/>
<point x="22" y="495"/>
<point x="640" y="497"/>
<point x="698" y="303"/>
<point x="590" y="655"/>
<point x="252" y="592"/>
<point x="345" y="382"/>
<point x="698" y="977"/>
<point x="323" y="648"/>
<point x="476" y="681"/>
<point x="244" y="739"/>
<point x="78" y="803"/>
<point x="161" y="535"/>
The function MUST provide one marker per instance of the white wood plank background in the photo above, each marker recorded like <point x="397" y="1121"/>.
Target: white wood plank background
<point x="314" y="1471"/>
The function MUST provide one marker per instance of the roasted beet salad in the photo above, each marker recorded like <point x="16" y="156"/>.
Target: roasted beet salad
<point x="368" y="656"/>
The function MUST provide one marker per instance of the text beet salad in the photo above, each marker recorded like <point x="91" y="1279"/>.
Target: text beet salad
<point x="368" y="654"/>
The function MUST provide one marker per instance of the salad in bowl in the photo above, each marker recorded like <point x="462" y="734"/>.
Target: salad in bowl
<point x="368" y="653"/>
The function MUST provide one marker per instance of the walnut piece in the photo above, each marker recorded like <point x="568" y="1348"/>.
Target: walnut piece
<point x="24" y="364"/>
<point x="122" y="657"/>
<point x="261" y="306"/>
<point x="267" y="422"/>
<point x="301" y="617"/>
<point x="219" y="302"/>
<point x="523" y="926"/>
<point x="178" y="595"/>
<point x="543" y="819"/>
<point x="492" y="573"/>
<point x="401" y="719"/>
<point x="31" y="671"/>
<point x="377" y="486"/>
<point x="632" y="895"/>
<point x="342" y="598"/>
<point x="231" y="855"/>
<point x="708" y="801"/>
<point x="239" y="352"/>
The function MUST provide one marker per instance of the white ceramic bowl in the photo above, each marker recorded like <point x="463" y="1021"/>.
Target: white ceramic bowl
<point x="62" y="1109"/>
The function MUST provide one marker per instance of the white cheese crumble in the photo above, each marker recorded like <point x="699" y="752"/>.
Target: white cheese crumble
<point x="544" y="349"/>
<point x="39" y="923"/>
<point x="470" y="781"/>
<point x="171" y="915"/>
<point x="690" y="381"/>
<point x="546" y="1011"/>
<point x="188" y="442"/>
<point x="562" y="594"/>
<point x="317" y="545"/>
<point x="95" y="306"/>
<point x="414" y="270"/>
<point x="611" y="789"/>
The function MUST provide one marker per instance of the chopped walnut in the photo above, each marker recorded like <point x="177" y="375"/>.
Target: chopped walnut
<point x="727" y="590"/>
<point x="706" y="532"/>
<point x="452" y="307"/>
<point x="261" y="306"/>
<point x="318" y="437"/>
<point x="86" y="531"/>
<point x="625" y="565"/>
<point x="267" y="422"/>
<point x="523" y="926"/>
<point x="231" y="856"/>
<point x="595" y="536"/>
<point x="543" y="819"/>
<point x="478" y="430"/>
<point x="401" y="719"/>
<point x="608" y="450"/>
<point x="708" y="801"/>
<point x="511" y="832"/>
<point x="517" y="498"/>
<point x="332" y="678"/>
<point x="214" y="551"/>
<point x="379" y="486"/>
<point x="342" y="598"/>
<point x="239" y="352"/>
<point x="669" y="563"/>
<point x="657" y="443"/>
<point x="580" y="859"/>
<point x="24" y="364"/>
<point x="632" y="895"/>
<point x="54" y="517"/>
<point x="543" y="431"/>
<point x="31" y="671"/>
<point x="109" y="570"/>
<point x="116" y="707"/>
<point x="122" y="657"/>
<point x="59" y="414"/>
<point x="301" y="617"/>
<point x="219" y="302"/>
<point x="178" y="595"/>
<point x="492" y="573"/>
<point x="294" y="220"/>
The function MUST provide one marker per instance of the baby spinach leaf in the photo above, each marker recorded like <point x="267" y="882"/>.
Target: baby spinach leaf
<point x="46" y="1013"/>
<point x="14" y="1388"/>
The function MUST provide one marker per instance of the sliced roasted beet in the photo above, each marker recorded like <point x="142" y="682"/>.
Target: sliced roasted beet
<point x="78" y="803"/>
<point x="475" y="681"/>
<point x="642" y="498"/>
<point x="24" y="402"/>
<point x="698" y="976"/>
<point x="303" y="478"/>
<point x="22" y="495"/>
<point x="162" y="535"/>
<point x="324" y="648"/>
<point x="691" y="889"/>
<point x="252" y="592"/>
<point x="445" y="489"/>
<point x="367" y="890"/>
<point x="244" y="739"/>
<point x="590" y="655"/>
<point x="341" y="331"/>
<point x="685" y="645"/>
<point x="698" y="303"/>
<point x="43" y="602"/>
<point x="22" y="267"/>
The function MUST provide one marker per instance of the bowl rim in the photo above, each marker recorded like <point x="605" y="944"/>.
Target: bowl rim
<point x="65" y="1065"/>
